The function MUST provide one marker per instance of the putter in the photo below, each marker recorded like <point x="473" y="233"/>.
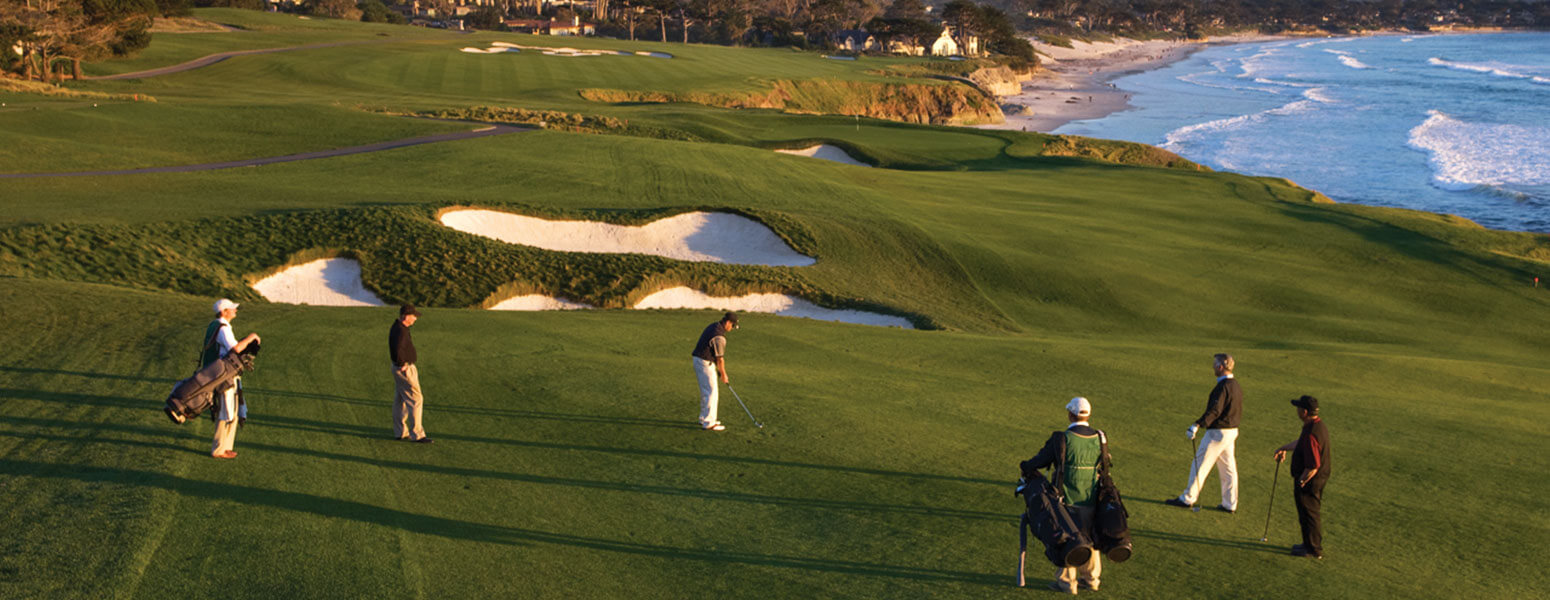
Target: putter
<point x="1273" y="482"/>
<point x="1193" y="448"/>
<point x="756" y="422"/>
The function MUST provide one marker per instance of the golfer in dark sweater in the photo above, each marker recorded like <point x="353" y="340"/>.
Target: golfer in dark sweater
<point x="1311" y="468"/>
<point x="709" y="363"/>
<point x="1224" y="408"/>
<point x="408" y="403"/>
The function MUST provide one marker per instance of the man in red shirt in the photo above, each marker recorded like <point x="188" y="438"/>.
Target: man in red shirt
<point x="1311" y="467"/>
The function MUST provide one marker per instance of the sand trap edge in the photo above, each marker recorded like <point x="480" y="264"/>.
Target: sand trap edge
<point x="327" y="281"/>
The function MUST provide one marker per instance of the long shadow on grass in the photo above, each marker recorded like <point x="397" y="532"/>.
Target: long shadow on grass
<point x="470" y="531"/>
<point x="36" y="371"/>
<point x="152" y="406"/>
<point x="632" y="488"/>
<point x="486" y="412"/>
<point x="1195" y="539"/>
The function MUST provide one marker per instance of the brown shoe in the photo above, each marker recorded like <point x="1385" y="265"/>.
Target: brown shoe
<point x="226" y="454"/>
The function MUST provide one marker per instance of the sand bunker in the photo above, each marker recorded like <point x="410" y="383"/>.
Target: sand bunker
<point x="826" y="152"/>
<point x="777" y="304"/>
<point x="695" y="236"/>
<point x="501" y="47"/>
<point x="323" y="282"/>
<point x="538" y="302"/>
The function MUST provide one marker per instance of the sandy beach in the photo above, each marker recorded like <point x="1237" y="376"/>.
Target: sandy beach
<point x="1074" y="83"/>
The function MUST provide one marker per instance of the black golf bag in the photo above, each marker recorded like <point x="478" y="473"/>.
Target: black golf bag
<point x="194" y="395"/>
<point x="1111" y="527"/>
<point x="1065" y="544"/>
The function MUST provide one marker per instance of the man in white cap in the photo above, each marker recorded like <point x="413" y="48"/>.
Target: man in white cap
<point x="219" y="341"/>
<point x="1076" y="452"/>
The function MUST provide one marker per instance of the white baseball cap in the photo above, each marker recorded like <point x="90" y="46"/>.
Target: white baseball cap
<point x="224" y="304"/>
<point x="1079" y="406"/>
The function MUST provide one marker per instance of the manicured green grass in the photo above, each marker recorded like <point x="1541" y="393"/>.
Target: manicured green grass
<point x="567" y="463"/>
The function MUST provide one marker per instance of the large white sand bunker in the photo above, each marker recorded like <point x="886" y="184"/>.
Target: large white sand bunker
<point x="538" y="302"/>
<point x="695" y="236"/>
<point x="825" y="152"/>
<point x="322" y="282"/>
<point x="502" y="47"/>
<point x="778" y="304"/>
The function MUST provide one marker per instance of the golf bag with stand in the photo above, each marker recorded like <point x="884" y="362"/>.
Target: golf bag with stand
<point x="194" y="395"/>
<point x="1065" y="544"/>
<point x="1111" y="527"/>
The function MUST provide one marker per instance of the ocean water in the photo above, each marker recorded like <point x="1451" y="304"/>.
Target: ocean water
<point x="1454" y="124"/>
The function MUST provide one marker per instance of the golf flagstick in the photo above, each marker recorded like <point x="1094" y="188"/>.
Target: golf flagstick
<point x="1273" y="482"/>
<point x="756" y="422"/>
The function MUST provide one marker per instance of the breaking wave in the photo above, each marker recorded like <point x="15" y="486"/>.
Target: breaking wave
<point x="1348" y="60"/>
<point x="1499" y="69"/>
<point x="1466" y="155"/>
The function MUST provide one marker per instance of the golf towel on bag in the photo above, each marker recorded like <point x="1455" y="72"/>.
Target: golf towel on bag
<point x="194" y="395"/>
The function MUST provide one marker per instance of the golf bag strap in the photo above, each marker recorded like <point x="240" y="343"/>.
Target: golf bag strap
<point x="210" y="342"/>
<point x="1104" y="461"/>
<point x="1059" y="480"/>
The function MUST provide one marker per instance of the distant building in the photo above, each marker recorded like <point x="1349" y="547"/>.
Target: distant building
<point x="855" y="40"/>
<point x="945" y="45"/>
<point x="552" y="27"/>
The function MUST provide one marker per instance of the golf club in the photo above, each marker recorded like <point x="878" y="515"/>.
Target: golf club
<point x="1273" y="482"/>
<point x="756" y="422"/>
<point x="1193" y="448"/>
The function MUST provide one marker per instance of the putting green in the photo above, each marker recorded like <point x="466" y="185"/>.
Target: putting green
<point x="567" y="462"/>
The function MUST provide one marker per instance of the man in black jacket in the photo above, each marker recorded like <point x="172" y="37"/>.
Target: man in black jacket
<point x="1224" y="408"/>
<point x="1082" y="448"/>
<point x="408" y="402"/>
<point x="1311" y="467"/>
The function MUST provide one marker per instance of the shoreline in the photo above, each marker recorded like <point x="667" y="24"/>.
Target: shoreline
<point x="1075" y="84"/>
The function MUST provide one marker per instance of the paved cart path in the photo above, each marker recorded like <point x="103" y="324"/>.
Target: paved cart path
<point x="256" y="162"/>
<point x="206" y="61"/>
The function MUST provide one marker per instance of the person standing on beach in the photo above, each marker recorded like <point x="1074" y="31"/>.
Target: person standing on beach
<point x="1224" y="408"/>
<point x="228" y="410"/>
<point x="408" y="403"/>
<point x="1311" y="466"/>
<point x="709" y="362"/>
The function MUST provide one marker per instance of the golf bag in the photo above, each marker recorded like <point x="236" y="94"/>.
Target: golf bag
<point x="194" y="395"/>
<point x="1111" y="527"/>
<point x="1065" y="545"/>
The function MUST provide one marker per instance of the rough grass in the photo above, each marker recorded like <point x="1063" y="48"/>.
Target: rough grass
<point x="909" y="103"/>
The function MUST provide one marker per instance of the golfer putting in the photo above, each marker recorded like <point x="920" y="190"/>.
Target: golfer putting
<point x="709" y="364"/>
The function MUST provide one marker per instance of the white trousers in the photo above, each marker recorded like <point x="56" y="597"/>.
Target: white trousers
<point x="225" y="419"/>
<point x="705" y="371"/>
<point x="1216" y="447"/>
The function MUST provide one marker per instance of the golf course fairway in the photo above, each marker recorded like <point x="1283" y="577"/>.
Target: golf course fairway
<point x="567" y="462"/>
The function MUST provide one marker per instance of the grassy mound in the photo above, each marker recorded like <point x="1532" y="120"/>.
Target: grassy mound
<point x="946" y="104"/>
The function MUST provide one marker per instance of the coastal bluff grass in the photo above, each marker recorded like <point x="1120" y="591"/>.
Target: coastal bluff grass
<point x="567" y="461"/>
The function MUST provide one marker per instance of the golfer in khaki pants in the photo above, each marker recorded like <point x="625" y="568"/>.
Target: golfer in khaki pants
<point x="408" y="403"/>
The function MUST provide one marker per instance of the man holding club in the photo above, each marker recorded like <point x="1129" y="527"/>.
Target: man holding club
<point x="1310" y="465"/>
<point x="1224" y="408"/>
<point x="709" y="363"/>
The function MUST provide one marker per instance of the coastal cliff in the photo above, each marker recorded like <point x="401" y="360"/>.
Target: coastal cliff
<point x="923" y="103"/>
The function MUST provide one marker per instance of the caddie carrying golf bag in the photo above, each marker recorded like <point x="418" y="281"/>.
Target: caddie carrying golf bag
<point x="1065" y="545"/>
<point x="194" y="395"/>
<point x="1111" y="527"/>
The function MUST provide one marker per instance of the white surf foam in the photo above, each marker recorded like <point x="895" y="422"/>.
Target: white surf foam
<point x="777" y="304"/>
<point x="1499" y="69"/>
<point x="1465" y="155"/>
<point x="1191" y="133"/>
<point x="694" y="236"/>
<point x="825" y="152"/>
<point x="538" y="302"/>
<point x="322" y="282"/>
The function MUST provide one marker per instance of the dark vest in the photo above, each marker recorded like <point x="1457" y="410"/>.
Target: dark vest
<point x="1317" y="431"/>
<point x="702" y="347"/>
<point x="212" y="348"/>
